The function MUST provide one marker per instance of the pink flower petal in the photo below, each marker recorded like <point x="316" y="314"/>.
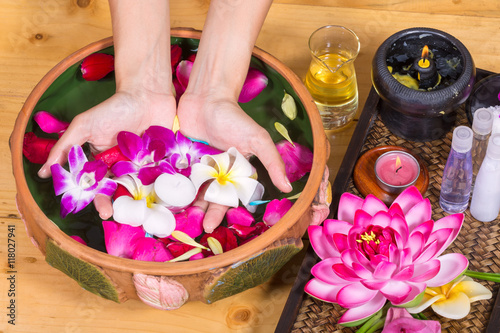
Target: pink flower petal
<point x="323" y="271"/>
<point x="425" y="271"/>
<point x="425" y="229"/>
<point x="336" y="227"/>
<point x="362" y="219"/>
<point x="150" y="249"/>
<point x="321" y="290"/>
<point x="382" y="219"/>
<point x="275" y="210"/>
<point x="396" y="291"/>
<point x="321" y="242"/>
<point x="418" y="214"/>
<point x="239" y="215"/>
<point x="399" y="225"/>
<point x="190" y="221"/>
<point x="354" y="295"/>
<point x="363" y="311"/>
<point x="408" y="198"/>
<point x="453" y="222"/>
<point x="120" y="239"/>
<point x="79" y="239"/>
<point x="416" y="290"/>
<point x="372" y="205"/>
<point x="384" y="270"/>
<point x="297" y="158"/>
<point x="404" y="274"/>
<point x="254" y="83"/>
<point x="36" y="149"/>
<point x="175" y="56"/>
<point x="361" y="270"/>
<point x="183" y="72"/>
<point x="130" y="144"/>
<point x="76" y="159"/>
<point x="452" y="265"/>
<point x="348" y="205"/>
<point x="96" y="66"/>
<point x="49" y="123"/>
<point x="345" y="272"/>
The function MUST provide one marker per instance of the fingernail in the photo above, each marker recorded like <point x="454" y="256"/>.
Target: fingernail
<point x="43" y="172"/>
<point x="288" y="184"/>
<point x="208" y="230"/>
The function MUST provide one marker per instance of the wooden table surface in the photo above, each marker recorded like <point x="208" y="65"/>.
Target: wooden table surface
<point x="36" y="35"/>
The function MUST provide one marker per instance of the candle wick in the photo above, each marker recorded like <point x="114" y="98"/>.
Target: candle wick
<point x="398" y="169"/>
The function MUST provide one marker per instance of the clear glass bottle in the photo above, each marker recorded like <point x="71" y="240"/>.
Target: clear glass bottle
<point x="481" y="126"/>
<point x="457" y="175"/>
<point x="485" y="203"/>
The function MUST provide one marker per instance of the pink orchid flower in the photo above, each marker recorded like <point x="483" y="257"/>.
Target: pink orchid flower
<point x="275" y="210"/>
<point x="120" y="239"/>
<point x="146" y="154"/>
<point x="372" y="254"/>
<point x="298" y="159"/>
<point x="49" y="123"/>
<point x="399" y="320"/>
<point x="80" y="185"/>
<point x="96" y="66"/>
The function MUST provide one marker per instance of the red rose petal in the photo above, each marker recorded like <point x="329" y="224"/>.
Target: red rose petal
<point x="97" y="65"/>
<point x="36" y="149"/>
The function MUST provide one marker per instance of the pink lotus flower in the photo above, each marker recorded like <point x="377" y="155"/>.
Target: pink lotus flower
<point x="298" y="159"/>
<point x="372" y="254"/>
<point x="49" y="123"/>
<point x="254" y="83"/>
<point x="399" y="320"/>
<point x="96" y="66"/>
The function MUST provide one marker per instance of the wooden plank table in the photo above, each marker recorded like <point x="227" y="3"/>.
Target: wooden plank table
<point x="36" y="35"/>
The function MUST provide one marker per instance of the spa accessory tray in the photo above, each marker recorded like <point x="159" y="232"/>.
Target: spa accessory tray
<point x="478" y="241"/>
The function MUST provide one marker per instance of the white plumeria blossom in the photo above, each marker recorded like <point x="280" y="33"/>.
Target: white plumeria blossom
<point x="230" y="176"/>
<point x="142" y="208"/>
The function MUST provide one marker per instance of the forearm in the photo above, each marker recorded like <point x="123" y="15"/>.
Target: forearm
<point x="142" y="44"/>
<point x="229" y="35"/>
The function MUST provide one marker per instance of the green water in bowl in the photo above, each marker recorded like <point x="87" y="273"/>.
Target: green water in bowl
<point x="70" y="95"/>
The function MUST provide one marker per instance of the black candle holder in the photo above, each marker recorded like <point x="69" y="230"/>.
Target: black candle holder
<point x="422" y="114"/>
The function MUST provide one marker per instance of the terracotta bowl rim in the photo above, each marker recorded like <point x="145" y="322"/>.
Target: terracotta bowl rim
<point x="247" y="250"/>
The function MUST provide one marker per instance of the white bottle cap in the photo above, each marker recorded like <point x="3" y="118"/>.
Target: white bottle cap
<point x="483" y="120"/>
<point x="493" y="150"/>
<point x="462" y="139"/>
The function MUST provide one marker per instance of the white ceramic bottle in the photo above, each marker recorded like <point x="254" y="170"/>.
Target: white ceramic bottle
<point x="485" y="204"/>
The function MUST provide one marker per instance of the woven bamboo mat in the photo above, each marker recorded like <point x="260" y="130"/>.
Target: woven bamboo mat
<point x="479" y="242"/>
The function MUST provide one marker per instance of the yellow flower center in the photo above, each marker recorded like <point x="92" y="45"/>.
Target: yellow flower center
<point x="368" y="238"/>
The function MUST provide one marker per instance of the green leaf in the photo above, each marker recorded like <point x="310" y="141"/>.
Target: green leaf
<point x="88" y="276"/>
<point x="253" y="272"/>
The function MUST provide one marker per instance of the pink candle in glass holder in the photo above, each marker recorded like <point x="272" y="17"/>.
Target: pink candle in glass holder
<point x="396" y="170"/>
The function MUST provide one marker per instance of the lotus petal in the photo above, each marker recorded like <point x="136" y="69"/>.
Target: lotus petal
<point x="323" y="291"/>
<point x="418" y="214"/>
<point x="372" y="205"/>
<point x="354" y="295"/>
<point x="452" y="265"/>
<point x="408" y="198"/>
<point x="363" y="311"/>
<point x="255" y="82"/>
<point x="49" y="123"/>
<point x="348" y="205"/>
<point x="323" y="271"/>
<point x="321" y="242"/>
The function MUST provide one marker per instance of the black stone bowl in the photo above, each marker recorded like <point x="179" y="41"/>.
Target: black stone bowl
<point x="484" y="95"/>
<point x="419" y="115"/>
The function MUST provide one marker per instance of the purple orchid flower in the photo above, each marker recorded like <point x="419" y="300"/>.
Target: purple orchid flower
<point x="399" y="320"/>
<point x="146" y="154"/>
<point x="186" y="152"/>
<point x="80" y="185"/>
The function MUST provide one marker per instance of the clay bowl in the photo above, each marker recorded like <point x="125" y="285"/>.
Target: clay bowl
<point x="164" y="285"/>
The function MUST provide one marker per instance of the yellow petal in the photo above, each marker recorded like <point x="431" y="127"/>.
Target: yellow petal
<point x="475" y="291"/>
<point x="296" y="196"/>
<point x="426" y="301"/>
<point x="214" y="245"/>
<point x="186" y="255"/>
<point x="176" y="125"/>
<point x="456" y="306"/>
<point x="283" y="131"/>
<point x="186" y="239"/>
<point x="289" y="107"/>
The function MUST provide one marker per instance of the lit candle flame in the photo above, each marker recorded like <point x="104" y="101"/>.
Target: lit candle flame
<point x="424" y="62"/>
<point x="425" y="52"/>
<point x="398" y="164"/>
